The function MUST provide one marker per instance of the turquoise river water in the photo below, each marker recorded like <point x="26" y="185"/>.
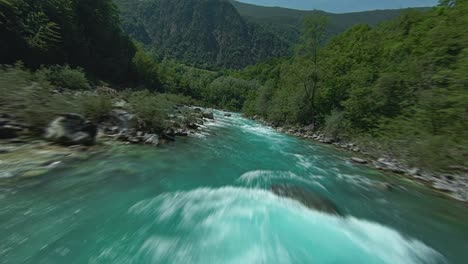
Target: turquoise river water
<point x="206" y="199"/>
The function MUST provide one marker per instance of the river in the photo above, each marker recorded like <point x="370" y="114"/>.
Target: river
<point x="206" y="199"/>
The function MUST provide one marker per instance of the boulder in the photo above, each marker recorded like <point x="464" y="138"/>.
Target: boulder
<point x="71" y="129"/>
<point x="169" y="134"/>
<point x="308" y="198"/>
<point x="208" y="113"/>
<point x="151" y="139"/>
<point x="308" y="128"/>
<point x="358" y="160"/>
<point x="227" y="115"/>
<point x="121" y="119"/>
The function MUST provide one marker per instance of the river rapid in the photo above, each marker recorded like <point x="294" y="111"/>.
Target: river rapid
<point x="206" y="199"/>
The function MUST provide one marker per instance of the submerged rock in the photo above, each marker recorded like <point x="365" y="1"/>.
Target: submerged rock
<point x="358" y="160"/>
<point x="71" y="129"/>
<point x="308" y="198"/>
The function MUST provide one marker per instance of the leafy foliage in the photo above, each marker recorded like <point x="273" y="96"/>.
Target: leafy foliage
<point x="84" y="33"/>
<point x="403" y="83"/>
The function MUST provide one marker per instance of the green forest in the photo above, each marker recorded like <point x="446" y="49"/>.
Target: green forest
<point x="398" y="88"/>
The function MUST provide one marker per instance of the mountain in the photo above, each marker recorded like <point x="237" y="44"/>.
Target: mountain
<point x="287" y="23"/>
<point x="225" y="33"/>
<point x="199" y="32"/>
<point x="343" y="6"/>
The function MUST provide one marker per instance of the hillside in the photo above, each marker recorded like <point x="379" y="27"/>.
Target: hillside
<point x="287" y="23"/>
<point x="203" y="33"/>
<point x="225" y="33"/>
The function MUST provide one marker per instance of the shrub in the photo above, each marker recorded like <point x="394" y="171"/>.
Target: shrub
<point x="95" y="107"/>
<point x="151" y="108"/>
<point x="31" y="101"/>
<point x="64" y="77"/>
<point x="336" y="125"/>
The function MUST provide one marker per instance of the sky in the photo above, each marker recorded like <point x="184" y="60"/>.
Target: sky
<point x="343" y="6"/>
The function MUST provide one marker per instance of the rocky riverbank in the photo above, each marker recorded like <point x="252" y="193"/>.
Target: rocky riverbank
<point x="70" y="136"/>
<point x="453" y="183"/>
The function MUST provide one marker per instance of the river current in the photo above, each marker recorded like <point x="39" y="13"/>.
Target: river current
<point x="207" y="199"/>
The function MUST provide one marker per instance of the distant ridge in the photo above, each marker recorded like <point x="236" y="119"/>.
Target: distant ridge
<point x="343" y="6"/>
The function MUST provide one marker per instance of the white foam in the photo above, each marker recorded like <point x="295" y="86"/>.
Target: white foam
<point x="239" y="225"/>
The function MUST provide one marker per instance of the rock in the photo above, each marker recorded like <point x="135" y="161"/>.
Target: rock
<point x="71" y="129"/>
<point x="449" y="177"/>
<point x="309" y="128"/>
<point x="358" y="160"/>
<point x="9" y="131"/>
<point x="181" y="132"/>
<point x="169" y="134"/>
<point x="227" y="115"/>
<point x="414" y="171"/>
<point x="192" y="126"/>
<point x="307" y="198"/>
<point x="121" y="119"/>
<point x="458" y="168"/>
<point x="208" y="113"/>
<point x="119" y="103"/>
<point x="4" y="151"/>
<point x="151" y="139"/>
<point x="16" y="141"/>
<point x="34" y="173"/>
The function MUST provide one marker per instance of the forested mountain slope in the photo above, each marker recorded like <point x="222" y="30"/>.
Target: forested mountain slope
<point x="223" y="33"/>
<point x="204" y="33"/>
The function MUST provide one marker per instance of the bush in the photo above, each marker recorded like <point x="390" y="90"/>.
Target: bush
<point x="151" y="108"/>
<point x="31" y="101"/>
<point x="336" y="125"/>
<point x="64" y="77"/>
<point x="96" y="107"/>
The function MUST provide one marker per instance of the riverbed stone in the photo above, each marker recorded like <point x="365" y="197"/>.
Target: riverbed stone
<point x="71" y="129"/>
<point x="358" y="160"/>
<point x="208" y="114"/>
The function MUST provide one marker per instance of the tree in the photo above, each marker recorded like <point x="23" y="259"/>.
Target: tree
<point x="313" y="38"/>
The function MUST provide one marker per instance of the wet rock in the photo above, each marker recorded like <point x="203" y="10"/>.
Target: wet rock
<point x="169" y="134"/>
<point x="34" y="173"/>
<point x="308" y="198"/>
<point x="356" y="149"/>
<point x="358" y="160"/>
<point x="151" y="139"/>
<point x="71" y="129"/>
<point x="208" y="113"/>
<point x="181" y="132"/>
<point x="192" y="126"/>
<point x="227" y="115"/>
